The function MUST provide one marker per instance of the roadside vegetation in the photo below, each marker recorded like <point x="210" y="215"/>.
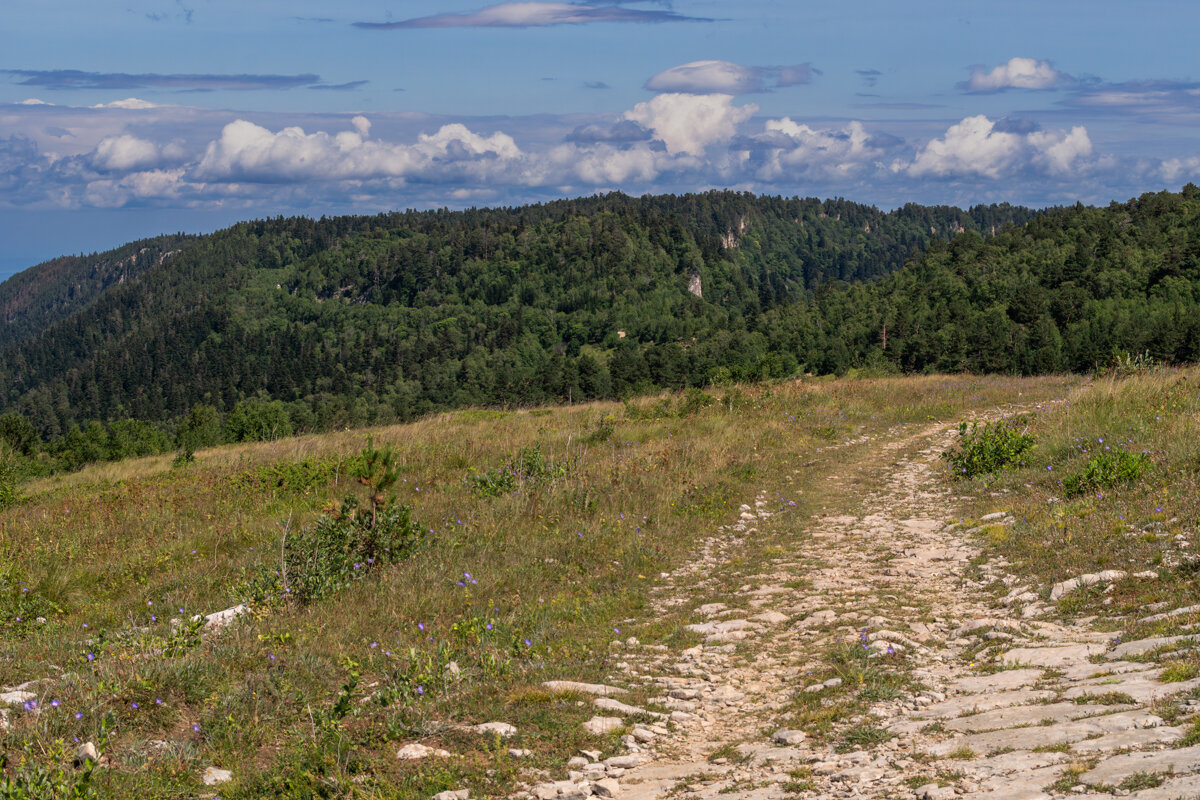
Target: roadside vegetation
<point x="1113" y="483"/>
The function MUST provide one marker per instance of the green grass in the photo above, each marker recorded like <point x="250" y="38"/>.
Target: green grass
<point x="514" y="588"/>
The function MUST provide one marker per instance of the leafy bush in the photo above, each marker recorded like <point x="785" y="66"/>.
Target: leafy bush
<point x="33" y="780"/>
<point x="1105" y="470"/>
<point x="986" y="448"/>
<point x="527" y="467"/>
<point x="347" y="544"/>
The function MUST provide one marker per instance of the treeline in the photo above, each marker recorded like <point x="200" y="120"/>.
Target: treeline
<point x="291" y="325"/>
<point x="25" y="454"/>
<point x="357" y="320"/>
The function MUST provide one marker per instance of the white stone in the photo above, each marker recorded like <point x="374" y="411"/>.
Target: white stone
<point x="1060" y="590"/>
<point x="616" y="706"/>
<point x="17" y="698"/>
<point x="788" y="737"/>
<point x="460" y="794"/>
<point x="568" y="687"/>
<point x="219" y="619"/>
<point x="415" y="752"/>
<point x="519" y="753"/>
<point x="213" y="776"/>
<point x="602" y="725"/>
<point x="606" y="787"/>
<point x="501" y="729"/>
<point x="86" y="752"/>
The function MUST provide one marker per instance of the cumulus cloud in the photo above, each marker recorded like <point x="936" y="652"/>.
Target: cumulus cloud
<point x="125" y="152"/>
<point x="147" y="185"/>
<point x="532" y="14"/>
<point x="250" y="152"/>
<point x="725" y="77"/>
<point x="1016" y="73"/>
<point x="974" y="147"/>
<point x="689" y="123"/>
<point x="793" y="149"/>
<point x="78" y="79"/>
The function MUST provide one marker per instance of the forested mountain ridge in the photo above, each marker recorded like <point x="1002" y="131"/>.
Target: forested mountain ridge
<point x="33" y="300"/>
<point x="1065" y="292"/>
<point x="352" y="320"/>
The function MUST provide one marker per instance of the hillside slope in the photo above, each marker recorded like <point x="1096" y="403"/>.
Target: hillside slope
<point x="34" y="300"/>
<point x="788" y="591"/>
<point x="359" y="319"/>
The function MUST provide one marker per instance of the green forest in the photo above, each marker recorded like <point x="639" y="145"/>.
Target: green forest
<point x="293" y="324"/>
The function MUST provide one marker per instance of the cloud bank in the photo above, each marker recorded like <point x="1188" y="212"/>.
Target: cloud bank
<point x="174" y="156"/>
<point x="532" y="15"/>
<point x="78" y="79"/>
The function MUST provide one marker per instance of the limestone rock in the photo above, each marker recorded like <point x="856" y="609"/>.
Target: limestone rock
<point x="86" y="752"/>
<point x="501" y="729"/>
<point x="597" y="689"/>
<point x="788" y="737"/>
<point x="219" y="619"/>
<point x="416" y="752"/>
<point x="602" y="725"/>
<point x="606" y="787"/>
<point x="213" y="776"/>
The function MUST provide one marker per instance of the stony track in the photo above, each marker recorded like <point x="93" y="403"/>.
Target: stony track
<point x="996" y="699"/>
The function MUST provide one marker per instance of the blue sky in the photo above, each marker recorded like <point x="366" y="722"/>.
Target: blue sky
<point x="121" y="120"/>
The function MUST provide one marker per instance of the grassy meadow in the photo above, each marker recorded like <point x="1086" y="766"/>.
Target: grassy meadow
<point x="514" y="582"/>
<point x="1112" y="483"/>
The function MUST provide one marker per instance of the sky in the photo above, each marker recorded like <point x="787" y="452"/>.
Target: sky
<point x="120" y="120"/>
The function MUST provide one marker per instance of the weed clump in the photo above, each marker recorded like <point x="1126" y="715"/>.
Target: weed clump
<point x="8" y="479"/>
<point x="527" y="467"/>
<point x="1107" y="469"/>
<point x="987" y="448"/>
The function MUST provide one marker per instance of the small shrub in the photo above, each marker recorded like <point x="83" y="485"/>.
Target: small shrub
<point x="527" y="467"/>
<point x="345" y="545"/>
<point x="982" y="449"/>
<point x="1105" y="470"/>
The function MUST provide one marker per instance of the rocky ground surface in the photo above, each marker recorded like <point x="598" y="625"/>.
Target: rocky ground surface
<point x="979" y="697"/>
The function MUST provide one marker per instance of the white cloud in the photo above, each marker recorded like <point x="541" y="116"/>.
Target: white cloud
<point x="246" y="151"/>
<point x="150" y="184"/>
<point x="690" y="123"/>
<point x="33" y="101"/>
<point x="533" y="14"/>
<point x="975" y="147"/>
<point x="800" y="149"/>
<point x="129" y="103"/>
<point x="1016" y="73"/>
<point x="1060" y="152"/>
<point x="125" y="152"/>
<point x="725" y="77"/>
<point x="1175" y="169"/>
